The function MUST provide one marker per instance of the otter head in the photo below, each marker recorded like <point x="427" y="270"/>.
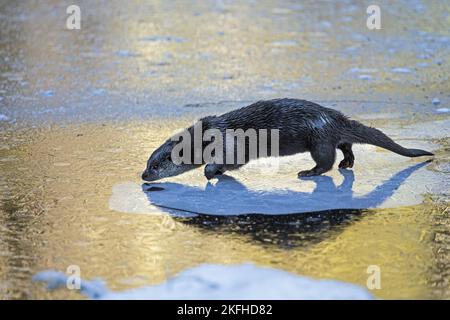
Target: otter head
<point x="160" y="164"/>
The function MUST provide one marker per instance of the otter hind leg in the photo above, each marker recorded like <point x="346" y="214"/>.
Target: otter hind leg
<point x="324" y="156"/>
<point x="349" y="157"/>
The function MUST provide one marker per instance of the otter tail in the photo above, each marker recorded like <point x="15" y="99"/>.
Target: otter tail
<point x="359" y="133"/>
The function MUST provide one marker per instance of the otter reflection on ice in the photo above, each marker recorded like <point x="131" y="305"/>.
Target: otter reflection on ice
<point x="230" y="206"/>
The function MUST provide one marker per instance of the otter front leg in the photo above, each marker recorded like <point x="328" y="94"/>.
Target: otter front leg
<point x="324" y="156"/>
<point x="213" y="169"/>
<point x="349" y="157"/>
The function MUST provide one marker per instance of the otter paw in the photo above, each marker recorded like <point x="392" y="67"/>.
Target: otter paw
<point x="346" y="163"/>
<point x="209" y="175"/>
<point x="211" y="171"/>
<point x="307" y="173"/>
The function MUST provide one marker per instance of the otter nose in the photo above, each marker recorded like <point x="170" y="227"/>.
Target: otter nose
<point x="144" y="175"/>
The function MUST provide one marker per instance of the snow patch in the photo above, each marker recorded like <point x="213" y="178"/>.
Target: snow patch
<point x="365" y="77"/>
<point x="363" y="70"/>
<point x="47" y="93"/>
<point x="284" y="43"/>
<point x="126" y="54"/>
<point x="401" y="70"/>
<point x="215" y="282"/>
<point x="436" y="101"/>
<point x="379" y="179"/>
<point x="159" y="38"/>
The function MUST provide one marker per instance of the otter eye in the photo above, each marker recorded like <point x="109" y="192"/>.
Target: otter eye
<point x="155" y="166"/>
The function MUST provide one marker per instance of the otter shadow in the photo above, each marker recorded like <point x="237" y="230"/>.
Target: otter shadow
<point x="286" y="218"/>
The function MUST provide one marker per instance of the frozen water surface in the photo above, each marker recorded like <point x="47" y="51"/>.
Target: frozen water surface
<point x="81" y="111"/>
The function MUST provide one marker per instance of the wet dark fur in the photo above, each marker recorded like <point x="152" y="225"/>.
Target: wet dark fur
<point x="303" y="126"/>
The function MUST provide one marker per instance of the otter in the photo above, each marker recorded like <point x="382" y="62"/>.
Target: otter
<point x="303" y="126"/>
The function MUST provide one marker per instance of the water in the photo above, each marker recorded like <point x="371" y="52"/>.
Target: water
<point x="80" y="112"/>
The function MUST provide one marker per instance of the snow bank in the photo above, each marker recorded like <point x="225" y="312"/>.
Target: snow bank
<point x="212" y="282"/>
